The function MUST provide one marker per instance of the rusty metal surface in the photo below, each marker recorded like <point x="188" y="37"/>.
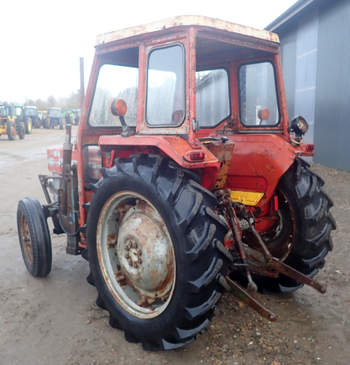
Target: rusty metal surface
<point x="172" y="146"/>
<point x="282" y="268"/>
<point x="223" y="151"/>
<point x="26" y="239"/>
<point x="228" y="210"/>
<point x="136" y="255"/>
<point x="254" y="260"/>
<point x="187" y="20"/>
<point x="274" y="264"/>
<point x="246" y="298"/>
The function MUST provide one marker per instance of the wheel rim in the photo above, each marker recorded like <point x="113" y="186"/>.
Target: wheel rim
<point x="136" y="254"/>
<point x="26" y="240"/>
<point x="282" y="249"/>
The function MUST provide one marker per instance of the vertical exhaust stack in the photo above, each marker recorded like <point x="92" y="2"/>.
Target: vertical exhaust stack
<point x="67" y="160"/>
<point x="82" y="86"/>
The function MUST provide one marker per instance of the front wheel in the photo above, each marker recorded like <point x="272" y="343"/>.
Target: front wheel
<point x="302" y="238"/>
<point x="152" y="237"/>
<point x="34" y="237"/>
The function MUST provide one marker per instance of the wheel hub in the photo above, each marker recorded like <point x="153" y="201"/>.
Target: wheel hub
<point x="136" y="254"/>
<point x="144" y="251"/>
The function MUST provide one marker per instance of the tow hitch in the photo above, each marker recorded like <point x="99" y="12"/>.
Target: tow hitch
<point x="258" y="261"/>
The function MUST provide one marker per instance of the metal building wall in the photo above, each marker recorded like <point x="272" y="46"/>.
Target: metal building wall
<point x="315" y="49"/>
<point x="332" y="131"/>
<point x="299" y="61"/>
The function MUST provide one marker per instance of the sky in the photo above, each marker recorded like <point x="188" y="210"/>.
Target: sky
<point x="42" y="40"/>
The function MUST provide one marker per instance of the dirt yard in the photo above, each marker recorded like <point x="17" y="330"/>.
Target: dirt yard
<point x="55" y="320"/>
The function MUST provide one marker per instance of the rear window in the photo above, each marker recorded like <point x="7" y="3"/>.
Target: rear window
<point x="212" y="97"/>
<point x="258" y="95"/>
<point x="166" y="87"/>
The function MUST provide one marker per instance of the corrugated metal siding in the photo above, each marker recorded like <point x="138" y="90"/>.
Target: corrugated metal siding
<point x="333" y="86"/>
<point x="306" y="68"/>
<point x="315" y="49"/>
<point x="299" y="61"/>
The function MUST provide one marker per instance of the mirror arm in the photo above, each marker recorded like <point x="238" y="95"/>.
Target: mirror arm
<point x="126" y="132"/>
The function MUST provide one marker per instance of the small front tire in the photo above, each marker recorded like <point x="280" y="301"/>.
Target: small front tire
<point x="34" y="237"/>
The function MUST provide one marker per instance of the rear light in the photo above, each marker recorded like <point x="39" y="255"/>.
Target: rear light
<point x="194" y="156"/>
<point x="309" y="147"/>
<point x="275" y="203"/>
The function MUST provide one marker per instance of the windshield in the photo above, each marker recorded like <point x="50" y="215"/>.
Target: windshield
<point x="30" y="112"/>
<point x="54" y="113"/>
<point x="258" y="95"/>
<point x="114" y="82"/>
<point x="18" y="111"/>
<point x="212" y="97"/>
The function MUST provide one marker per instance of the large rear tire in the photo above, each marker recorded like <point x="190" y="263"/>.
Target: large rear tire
<point x="11" y="130"/>
<point x="307" y="214"/>
<point x="21" y="130"/>
<point x="28" y="125"/>
<point x="34" y="237"/>
<point x="172" y="256"/>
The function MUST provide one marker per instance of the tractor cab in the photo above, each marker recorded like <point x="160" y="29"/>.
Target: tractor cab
<point x="203" y="81"/>
<point x="53" y="118"/>
<point x="31" y="112"/>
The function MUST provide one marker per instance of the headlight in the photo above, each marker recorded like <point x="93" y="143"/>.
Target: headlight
<point x="299" y="126"/>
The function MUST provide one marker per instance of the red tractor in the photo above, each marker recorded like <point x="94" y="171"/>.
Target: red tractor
<point x="186" y="180"/>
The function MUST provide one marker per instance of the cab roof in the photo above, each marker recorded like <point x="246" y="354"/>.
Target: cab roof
<point x="195" y="21"/>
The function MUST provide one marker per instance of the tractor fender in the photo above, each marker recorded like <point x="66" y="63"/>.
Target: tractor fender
<point x="259" y="162"/>
<point x="175" y="147"/>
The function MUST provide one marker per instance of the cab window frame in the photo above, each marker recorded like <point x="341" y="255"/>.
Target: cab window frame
<point x="266" y="126"/>
<point x="165" y="46"/>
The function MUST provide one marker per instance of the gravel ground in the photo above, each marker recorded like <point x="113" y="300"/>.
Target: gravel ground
<point x="55" y="321"/>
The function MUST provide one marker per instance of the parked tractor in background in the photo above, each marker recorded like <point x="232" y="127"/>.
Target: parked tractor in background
<point x="186" y="180"/>
<point x="10" y="124"/>
<point x="21" y="116"/>
<point x="76" y="116"/>
<point x="53" y="118"/>
<point x="32" y="118"/>
<point x="42" y="116"/>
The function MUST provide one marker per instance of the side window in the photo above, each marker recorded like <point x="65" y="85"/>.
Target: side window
<point x="212" y="97"/>
<point x="258" y="95"/>
<point x="166" y="87"/>
<point x="114" y="82"/>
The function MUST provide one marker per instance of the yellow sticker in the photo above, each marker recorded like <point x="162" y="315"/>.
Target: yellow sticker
<point x="246" y="197"/>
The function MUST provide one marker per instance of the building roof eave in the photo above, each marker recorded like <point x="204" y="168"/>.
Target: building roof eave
<point x="290" y="13"/>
